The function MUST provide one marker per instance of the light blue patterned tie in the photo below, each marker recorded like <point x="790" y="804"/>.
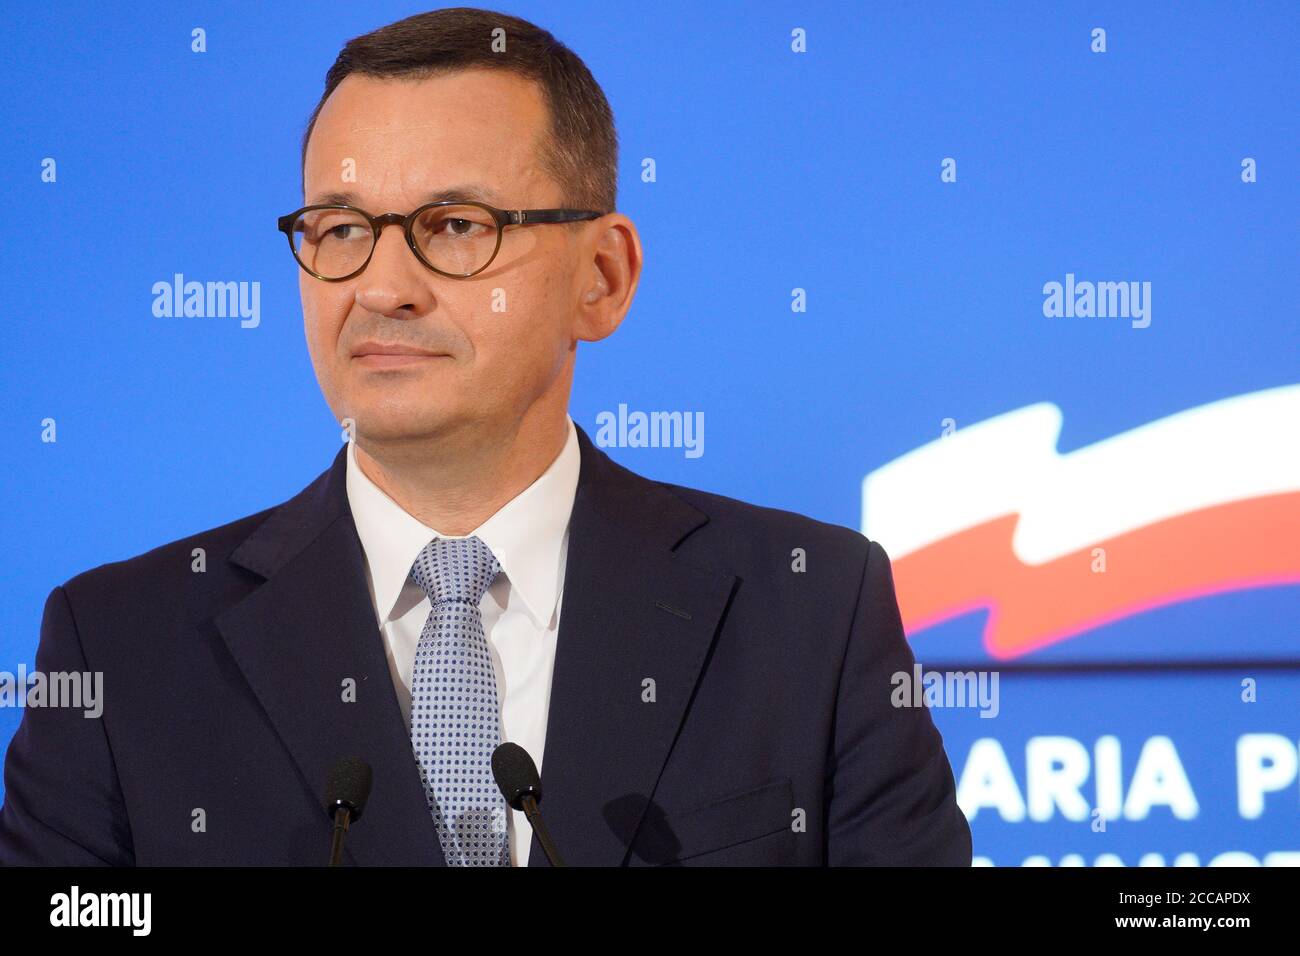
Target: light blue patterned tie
<point x="455" y="723"/>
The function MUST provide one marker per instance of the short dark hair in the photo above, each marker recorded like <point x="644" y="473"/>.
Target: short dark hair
<point x="581" y="150"/>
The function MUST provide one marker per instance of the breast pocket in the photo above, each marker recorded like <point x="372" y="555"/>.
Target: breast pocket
<point x="732" y="821"/>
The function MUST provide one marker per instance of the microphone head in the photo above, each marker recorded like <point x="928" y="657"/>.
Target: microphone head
<point x="349" y="786"/>
<point x="516" y="775"/>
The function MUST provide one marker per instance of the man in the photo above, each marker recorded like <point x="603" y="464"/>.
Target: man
<point x="701" y="681"/>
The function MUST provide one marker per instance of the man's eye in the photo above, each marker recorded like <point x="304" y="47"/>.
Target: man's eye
<point x="341" y="232"/>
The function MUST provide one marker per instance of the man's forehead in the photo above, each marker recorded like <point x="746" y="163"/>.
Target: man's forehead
<point x="464" y="190"/>
<point x="379" y="126"/>
<point x="471" y="98"/>
<point x="360" y="126"/>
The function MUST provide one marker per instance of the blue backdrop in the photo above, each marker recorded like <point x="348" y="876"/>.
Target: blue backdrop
<point x="854" y="220"/>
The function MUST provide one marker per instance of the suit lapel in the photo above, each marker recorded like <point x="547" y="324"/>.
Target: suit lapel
<point x="636" y="625"/>
<point x="308" y="629"/>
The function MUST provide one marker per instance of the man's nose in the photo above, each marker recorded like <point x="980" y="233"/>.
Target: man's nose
<point x="394" y="279"/>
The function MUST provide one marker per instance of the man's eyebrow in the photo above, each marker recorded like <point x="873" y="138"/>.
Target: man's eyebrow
<point x="476" y="191"/>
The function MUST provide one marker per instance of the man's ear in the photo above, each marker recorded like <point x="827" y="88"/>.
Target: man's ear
<point x="607" y="276"/>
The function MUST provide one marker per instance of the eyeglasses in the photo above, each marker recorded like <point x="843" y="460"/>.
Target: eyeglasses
<point x="455" y="238"/>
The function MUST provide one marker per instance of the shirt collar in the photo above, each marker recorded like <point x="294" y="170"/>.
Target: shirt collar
<point x="526" y="534"/>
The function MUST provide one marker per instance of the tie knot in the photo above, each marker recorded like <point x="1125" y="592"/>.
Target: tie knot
<point x="455" y="569"/>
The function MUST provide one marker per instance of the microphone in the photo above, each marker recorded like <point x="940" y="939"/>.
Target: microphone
<point x="345" y="797"/>
<point x="516" y="775"/>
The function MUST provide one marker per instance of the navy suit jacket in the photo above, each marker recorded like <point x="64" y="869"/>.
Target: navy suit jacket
<point x="710" y="704"/>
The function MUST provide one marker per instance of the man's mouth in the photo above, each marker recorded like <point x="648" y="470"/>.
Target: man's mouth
<point x="381" y="355"/>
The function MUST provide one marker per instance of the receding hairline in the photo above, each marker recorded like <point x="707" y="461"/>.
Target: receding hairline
<point x="545" y="145"/>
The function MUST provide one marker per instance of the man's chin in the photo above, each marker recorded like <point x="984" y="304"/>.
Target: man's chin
<point x="395" y="427"/>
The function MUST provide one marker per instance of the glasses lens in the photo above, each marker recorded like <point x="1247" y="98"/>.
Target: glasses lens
<point x="332" y="242"/>
<point x="456" y="239"/>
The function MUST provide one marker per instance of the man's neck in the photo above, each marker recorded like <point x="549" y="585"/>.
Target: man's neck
<point x="456" y="485"/>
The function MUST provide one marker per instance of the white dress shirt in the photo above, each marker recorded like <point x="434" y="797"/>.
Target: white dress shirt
<point x="521" y="610"/>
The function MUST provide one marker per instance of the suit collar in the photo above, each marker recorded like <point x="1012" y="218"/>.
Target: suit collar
<point x="635" y="629"/>
<point x="526" y="534"/>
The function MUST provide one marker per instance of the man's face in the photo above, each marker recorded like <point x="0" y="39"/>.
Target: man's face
<point x="404" y="140"/>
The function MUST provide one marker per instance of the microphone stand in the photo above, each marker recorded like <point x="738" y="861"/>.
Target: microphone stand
<point x="543" y="836"/>
<point x="342" y="817"/>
